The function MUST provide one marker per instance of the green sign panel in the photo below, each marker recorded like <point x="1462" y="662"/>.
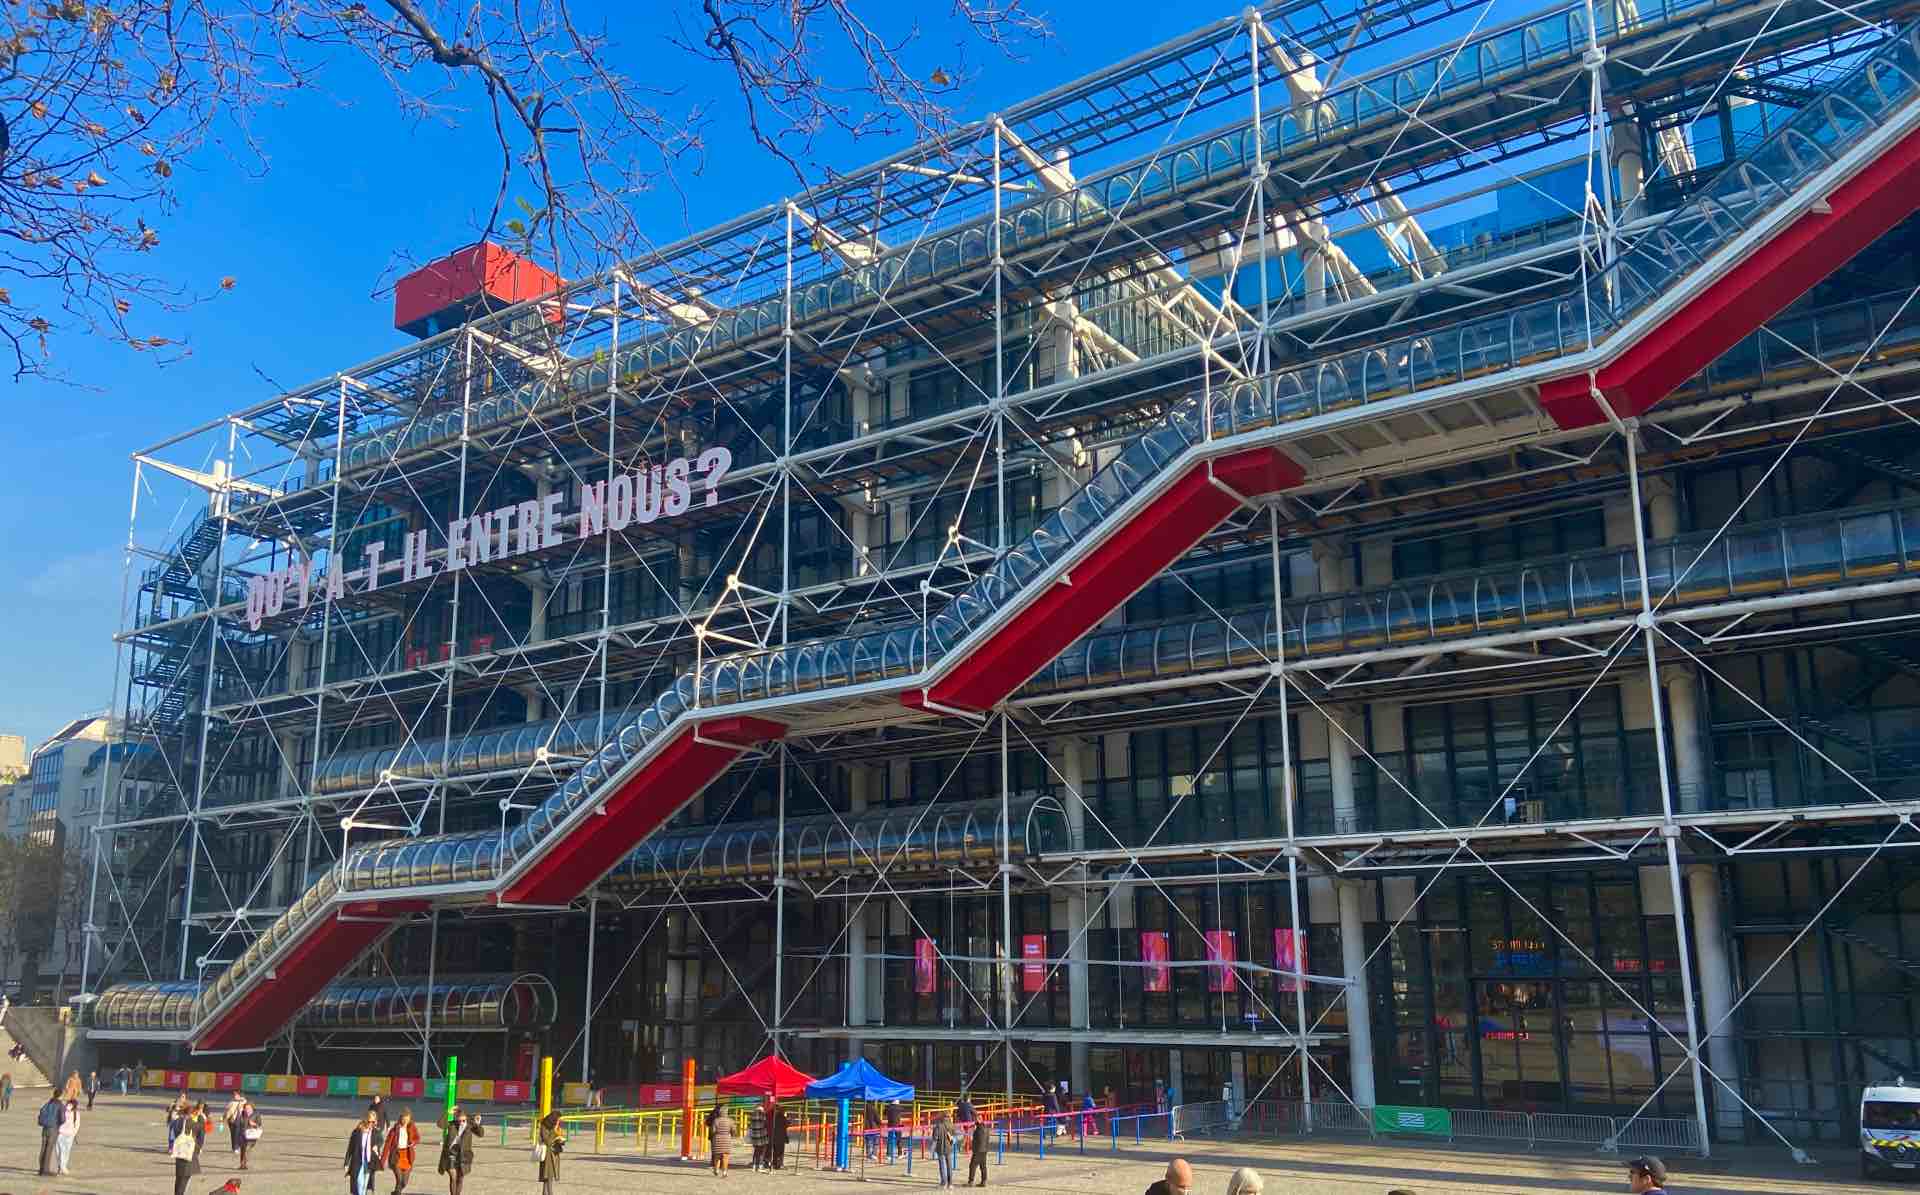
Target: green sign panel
<point x="1433" y="1122"/>
<point x="253" y="1082"/>
<point x="342" y="1084"/>
<point x="436" y="1089"/>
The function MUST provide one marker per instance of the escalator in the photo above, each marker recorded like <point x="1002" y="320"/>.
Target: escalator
<point x="1835" y="176"/>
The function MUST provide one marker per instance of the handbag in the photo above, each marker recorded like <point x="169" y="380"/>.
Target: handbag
<point x="253" y="1133"/>
<point x="539" y="1151"/>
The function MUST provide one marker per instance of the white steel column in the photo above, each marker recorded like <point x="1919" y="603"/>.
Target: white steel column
<point x="855" y="916"/>
<point x="1353" y="962"/>
<point x="1346" y="807"/>
<point x="586" y="1011"/>
<point x="1294" y="919"/>
<point x="1670" y="832"/>
<point x="1716" y="986"/>
<point x="1689" y="746"/>
<point x="1074" y="760"/>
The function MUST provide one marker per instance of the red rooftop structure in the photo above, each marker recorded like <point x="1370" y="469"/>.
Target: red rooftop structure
<point x="481" y="277"/>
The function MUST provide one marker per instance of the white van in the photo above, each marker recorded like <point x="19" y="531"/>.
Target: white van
<point x="1889" y="1130"/>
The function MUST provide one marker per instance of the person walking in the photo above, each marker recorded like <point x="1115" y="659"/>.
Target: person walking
<point x="181" y="1147"/>
<point x="963" y="1111"/>
<point x="777" y="1129"/>
<point x="93" y="1088"/>
<point x="176" y="1118"/>
<point x="6" y="1091"/>
<point x="456" y="1149"/>
<point x="249" y="1129"/>
<point x="720" y="1139"/>
<point x="550" y="1140"/>
<point x="52" y="1113"/>
<point x="139" y="1077"/>
<point x="398" y="1153"/>
<point x="941" y="1142"/>
<point x="228" y="1116"/>
<point x="982" y="1141"/>
<point x="63" y="1142"/>
<point x="757" y="1134"/>
<point x="363" y="1148"/>
<point x="198" y="1122"/>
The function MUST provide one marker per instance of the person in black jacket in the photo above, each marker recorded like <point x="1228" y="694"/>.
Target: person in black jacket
<point x="51" y="1114"/>
<point x="982" y="1141"/>
<point x="363" y="1149"/>
<point x="456" y="1149"/>
<point x="777" y="1138"/>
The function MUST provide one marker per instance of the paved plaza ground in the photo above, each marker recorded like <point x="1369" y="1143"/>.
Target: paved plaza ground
<point x="120" y="1153"/>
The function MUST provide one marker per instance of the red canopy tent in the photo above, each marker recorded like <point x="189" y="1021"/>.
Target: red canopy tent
<point x="771" y="1075"/>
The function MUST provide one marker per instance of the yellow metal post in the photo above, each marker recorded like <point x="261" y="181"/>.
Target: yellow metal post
<point x="546" y="1086"/>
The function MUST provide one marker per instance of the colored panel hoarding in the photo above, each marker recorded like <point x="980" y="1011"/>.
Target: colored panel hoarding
<point x="408" y="1088"/>
<point x="511" y="1091"/>
<point x="374" y="1085"/>
<point x="476" y="1089"/>
<point x="226" y="1081"/>
<point x="343" y="1084"/>
<point x="313" y="1085"/>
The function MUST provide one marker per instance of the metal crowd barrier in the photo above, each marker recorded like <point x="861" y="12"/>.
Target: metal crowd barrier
<point x="1286" y="1117"/>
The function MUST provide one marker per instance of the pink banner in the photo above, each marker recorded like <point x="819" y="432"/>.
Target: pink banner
<point x="1033" y="975"/>
<point x="1220" y="953"/>
<point x="924" y="968"/>
<point x="1154" y="953"/>
<point x="1289" y="953"/>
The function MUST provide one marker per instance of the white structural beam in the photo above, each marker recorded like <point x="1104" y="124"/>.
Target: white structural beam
<point x="849" y="250"/>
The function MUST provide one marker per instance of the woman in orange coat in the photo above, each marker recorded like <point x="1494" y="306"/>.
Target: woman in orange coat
<point x="397" y="1154"/>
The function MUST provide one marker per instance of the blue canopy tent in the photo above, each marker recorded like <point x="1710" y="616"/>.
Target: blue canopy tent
<point x="856" y="1080"/>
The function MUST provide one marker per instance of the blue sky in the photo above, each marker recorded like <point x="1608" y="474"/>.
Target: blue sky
<point x="349" y="185"/>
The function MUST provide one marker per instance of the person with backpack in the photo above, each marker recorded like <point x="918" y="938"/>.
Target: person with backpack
<point x="181" y="1147"/>
<point x="52" y="1113"/>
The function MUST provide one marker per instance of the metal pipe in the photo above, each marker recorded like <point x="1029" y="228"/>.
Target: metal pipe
<point x="1669" y="828"/>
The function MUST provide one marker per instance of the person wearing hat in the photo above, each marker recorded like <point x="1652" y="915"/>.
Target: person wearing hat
<point x="1646" y="1174"/>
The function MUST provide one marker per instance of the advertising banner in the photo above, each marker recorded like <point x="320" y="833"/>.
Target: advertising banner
<point x="1154" y="953"/>
<point x="1432" y="1122"/>
<point x="925" y="967"/>
<point x="1033" y="974"/>
<point x="1220" y="953"/>
<point x="1289" y="954"/>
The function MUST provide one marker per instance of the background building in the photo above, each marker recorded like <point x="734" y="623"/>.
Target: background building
<point x="1391" y="588"/>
